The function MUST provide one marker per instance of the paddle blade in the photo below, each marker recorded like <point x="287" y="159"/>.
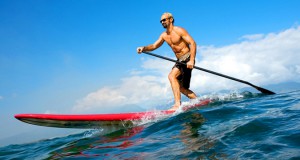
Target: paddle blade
<point x="264" y="91"/>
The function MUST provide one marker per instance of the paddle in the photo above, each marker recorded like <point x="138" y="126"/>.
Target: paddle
<point x="262" y="90"/>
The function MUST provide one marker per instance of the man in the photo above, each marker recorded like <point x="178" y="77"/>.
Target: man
<point x="184" y="48"/>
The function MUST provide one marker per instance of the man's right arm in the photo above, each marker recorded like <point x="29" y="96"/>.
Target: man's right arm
<point x="153" y="46"/>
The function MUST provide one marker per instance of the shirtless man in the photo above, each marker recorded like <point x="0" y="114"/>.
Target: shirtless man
<point x="184" y="48"/>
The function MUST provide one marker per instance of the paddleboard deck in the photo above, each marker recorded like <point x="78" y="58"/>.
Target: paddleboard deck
<point x="87" y="121"/>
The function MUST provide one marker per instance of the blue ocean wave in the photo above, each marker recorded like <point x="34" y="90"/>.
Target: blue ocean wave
<point x="235" y="126"/>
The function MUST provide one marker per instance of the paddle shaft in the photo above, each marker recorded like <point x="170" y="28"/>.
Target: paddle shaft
<point x="215" y="73"/>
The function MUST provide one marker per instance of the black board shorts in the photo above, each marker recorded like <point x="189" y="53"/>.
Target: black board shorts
<point x="185" y="77"/>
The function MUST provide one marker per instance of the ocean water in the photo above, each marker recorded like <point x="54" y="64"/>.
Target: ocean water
<point x="235" y="126"/>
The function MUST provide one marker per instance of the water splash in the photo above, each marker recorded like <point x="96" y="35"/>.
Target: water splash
<point x="93" y="132"/>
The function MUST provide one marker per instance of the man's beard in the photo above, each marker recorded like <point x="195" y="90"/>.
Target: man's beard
<point x="164" y="25"/>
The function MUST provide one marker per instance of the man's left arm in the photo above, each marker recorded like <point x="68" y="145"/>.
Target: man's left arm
<point x="192" y="46"/>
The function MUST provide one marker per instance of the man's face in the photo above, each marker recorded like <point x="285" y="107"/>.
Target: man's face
<point x="165" y="20"/>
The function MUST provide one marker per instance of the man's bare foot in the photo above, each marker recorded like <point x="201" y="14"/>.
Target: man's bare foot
<point x="174" y="108"/>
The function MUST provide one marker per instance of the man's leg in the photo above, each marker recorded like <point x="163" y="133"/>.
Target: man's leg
<point x="175" y="87"/>
<point x="187" y="92"/>
<point x="186" y="80"/>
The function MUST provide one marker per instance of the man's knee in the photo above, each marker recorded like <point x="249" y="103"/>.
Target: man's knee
<point x="171" y="77"/>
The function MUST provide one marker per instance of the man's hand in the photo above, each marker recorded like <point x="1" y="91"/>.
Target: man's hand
<point x="140" y="49"/>
<point x="190" y="64"/>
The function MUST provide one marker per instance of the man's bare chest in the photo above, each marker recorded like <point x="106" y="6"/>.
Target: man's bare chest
<point x="173" y="38"/>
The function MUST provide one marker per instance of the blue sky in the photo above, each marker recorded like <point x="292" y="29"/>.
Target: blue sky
<point x="56" y="55"/>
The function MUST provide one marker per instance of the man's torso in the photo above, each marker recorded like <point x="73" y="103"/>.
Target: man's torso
<point x="176" y="42"/>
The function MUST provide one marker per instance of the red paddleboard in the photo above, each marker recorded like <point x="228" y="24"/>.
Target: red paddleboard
<point x="118" y="120"/>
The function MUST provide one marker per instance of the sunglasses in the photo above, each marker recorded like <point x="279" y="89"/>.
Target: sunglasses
<point x="164" y="20"/>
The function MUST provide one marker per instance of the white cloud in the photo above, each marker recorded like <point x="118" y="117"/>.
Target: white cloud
<point x="132" y="91"/>
<point x="252" y="37"/>
<point x="273" y="59"/>
<point x="259" y="59"/>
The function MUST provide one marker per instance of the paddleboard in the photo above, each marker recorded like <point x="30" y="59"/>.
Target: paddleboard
<point x="87" y="121"/>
